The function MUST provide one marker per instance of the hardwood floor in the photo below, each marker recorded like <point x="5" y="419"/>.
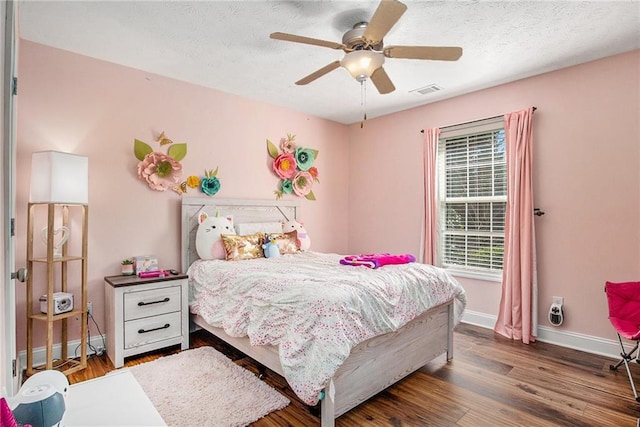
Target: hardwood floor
<point x="492" y="381"/>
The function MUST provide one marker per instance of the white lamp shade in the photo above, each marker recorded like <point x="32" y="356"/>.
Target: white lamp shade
<point x="362" y="63"/>
<point x="59" y="178"/>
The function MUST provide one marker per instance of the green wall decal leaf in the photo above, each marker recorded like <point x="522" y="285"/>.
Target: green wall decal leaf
<point x="211" y="173"/>
<point x="310" y="196"/>
<point x="273" y="150"/>
<point x="141" y="149"/>
<point x="177" y="151"/>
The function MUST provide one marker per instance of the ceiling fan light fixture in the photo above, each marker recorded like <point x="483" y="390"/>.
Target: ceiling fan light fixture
<point x="362" y="63"/>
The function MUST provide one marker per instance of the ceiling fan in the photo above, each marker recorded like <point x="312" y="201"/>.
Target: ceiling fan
<point x="365" y="52"/>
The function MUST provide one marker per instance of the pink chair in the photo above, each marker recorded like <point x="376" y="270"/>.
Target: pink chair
<point x="624" y="315"/>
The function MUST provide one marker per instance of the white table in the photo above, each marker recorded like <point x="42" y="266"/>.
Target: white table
<point x="113" y="400"/>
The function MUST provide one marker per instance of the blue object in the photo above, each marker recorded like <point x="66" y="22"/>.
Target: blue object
<point x="43" y="413"/>
<point x="41" y="399"/>
<point x="271" y="248"/>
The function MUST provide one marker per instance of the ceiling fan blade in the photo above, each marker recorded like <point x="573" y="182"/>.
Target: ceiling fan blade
<point x="442" y="53"/>
<point x="385" y="17"/>
<point x="382" y="82"/>
<point x="319" y="73"/>
<point x="306" y="40"/>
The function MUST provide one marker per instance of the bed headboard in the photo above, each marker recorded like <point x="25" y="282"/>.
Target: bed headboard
<point x="243" y="210"/>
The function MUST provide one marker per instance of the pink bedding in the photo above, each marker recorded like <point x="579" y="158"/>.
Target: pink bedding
<point x="313" y="308"/>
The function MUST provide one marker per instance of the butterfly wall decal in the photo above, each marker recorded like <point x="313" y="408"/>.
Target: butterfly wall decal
<point x="163" y="140"/>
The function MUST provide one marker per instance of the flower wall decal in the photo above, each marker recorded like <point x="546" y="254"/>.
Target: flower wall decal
<point x="161" y="171"/>
<point x="294" y="166"/>
<point x="164" y="171"/>
<point x="210" y="184"/>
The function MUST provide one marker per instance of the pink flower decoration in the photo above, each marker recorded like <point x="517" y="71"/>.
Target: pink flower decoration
<point x="302" y="183"/>
<point x="287" y="145"/>
<point x="160" y="171"/>
<point x="314" y="172"/>
<point x="285" y="165"/>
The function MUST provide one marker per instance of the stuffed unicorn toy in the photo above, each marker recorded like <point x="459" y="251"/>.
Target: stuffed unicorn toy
<point x="208" y="241"/>
<point x="304" y="241"/>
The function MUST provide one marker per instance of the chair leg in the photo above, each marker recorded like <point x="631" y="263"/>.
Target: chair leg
<point x="626" y="357"/>
<point x="633" y="386"/>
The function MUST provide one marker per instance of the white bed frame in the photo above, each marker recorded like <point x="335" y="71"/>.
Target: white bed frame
<point x="373" y="365"/>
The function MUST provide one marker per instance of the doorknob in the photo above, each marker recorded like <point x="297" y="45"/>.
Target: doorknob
<point x="20" y="275"/>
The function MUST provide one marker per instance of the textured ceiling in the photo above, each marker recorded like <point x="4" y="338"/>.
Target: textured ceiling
<point x="225" y="45"/>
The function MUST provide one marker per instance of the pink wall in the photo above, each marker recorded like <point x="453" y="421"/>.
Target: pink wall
<point x="73" y="103"/>
<point x="586" y="177"/>
<point x="587" y="158"/>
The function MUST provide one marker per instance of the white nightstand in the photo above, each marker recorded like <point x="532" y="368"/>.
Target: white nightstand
<point x="145" y="314"/>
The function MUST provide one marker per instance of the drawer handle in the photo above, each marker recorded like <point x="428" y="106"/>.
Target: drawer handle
<point x="144" y="331"/>
<point x="142" y="303"/>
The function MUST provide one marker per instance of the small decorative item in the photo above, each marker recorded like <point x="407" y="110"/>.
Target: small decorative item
<point x="127" y="267"/>
<point x="271" y="247"/>
<point x="294" y="166"/>
<point x="145" y="263"/>
<point x="64" y="236"/>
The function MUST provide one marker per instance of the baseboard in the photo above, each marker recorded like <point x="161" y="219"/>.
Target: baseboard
<point x="40" y="353"/>
<point x="582" y="342"/>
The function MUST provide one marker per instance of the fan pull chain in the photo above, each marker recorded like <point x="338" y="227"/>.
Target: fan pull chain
<point x="363" y="101"/>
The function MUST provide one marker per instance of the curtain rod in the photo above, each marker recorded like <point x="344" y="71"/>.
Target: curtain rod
<point x="473" y="121"/>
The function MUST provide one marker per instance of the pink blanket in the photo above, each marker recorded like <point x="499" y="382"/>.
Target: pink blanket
<point x="377" y="260"/>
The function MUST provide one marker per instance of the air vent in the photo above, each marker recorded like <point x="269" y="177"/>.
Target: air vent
<point x="427" y="89"/>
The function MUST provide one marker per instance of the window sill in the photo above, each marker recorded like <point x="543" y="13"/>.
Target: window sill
<point x="473" y="274"/>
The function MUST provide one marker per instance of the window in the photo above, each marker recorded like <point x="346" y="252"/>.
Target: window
<point x="473" y="198"/>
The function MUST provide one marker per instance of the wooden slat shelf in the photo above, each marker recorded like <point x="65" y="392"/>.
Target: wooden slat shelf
<point x="60" y="364"/>
<point x="44" y="316"/>
<point x="67" y="363"/>
<point x="55" y="260"/>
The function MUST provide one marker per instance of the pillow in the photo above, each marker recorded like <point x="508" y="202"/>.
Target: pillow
<point x="243" y="247"/>
<point x="208" y="242"/>
<point x="287" y="242"/>
<point x="304" y="241"/>
<point x="259" y="227"/>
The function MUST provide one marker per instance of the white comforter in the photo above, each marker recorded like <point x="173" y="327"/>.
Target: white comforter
<point x="313" y="308"/>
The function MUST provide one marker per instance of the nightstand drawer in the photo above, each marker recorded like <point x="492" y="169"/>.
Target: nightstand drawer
<point x="148" y="330"/>
<point x="151" y="302"/>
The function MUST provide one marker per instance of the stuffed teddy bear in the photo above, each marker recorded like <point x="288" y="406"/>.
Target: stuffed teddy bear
<point x="208" y="241"/>
<point x="271" y="247"/>
<point x="304" y="241"/>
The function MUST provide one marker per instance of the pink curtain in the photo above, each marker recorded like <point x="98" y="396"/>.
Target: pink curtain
<point x="518" y="303"/>
<point x="430" y="200"/>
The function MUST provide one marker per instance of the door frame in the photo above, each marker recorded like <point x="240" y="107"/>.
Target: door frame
<point x="9" y="379"/>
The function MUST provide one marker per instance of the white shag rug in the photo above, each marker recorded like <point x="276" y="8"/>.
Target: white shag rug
<point x="202" y="387"/>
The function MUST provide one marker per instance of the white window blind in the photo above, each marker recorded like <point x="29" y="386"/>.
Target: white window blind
<point x="473" y="196"/>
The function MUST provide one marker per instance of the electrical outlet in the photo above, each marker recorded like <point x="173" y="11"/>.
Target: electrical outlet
<point x="90" y="308"/>
<point x="558" y="300"/>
